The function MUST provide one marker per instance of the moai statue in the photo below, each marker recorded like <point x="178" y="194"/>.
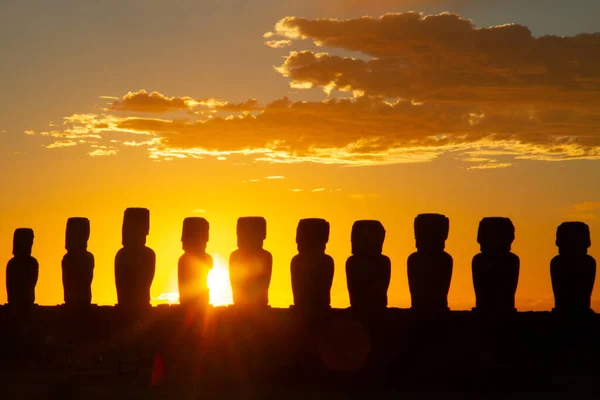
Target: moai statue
<point x="495" y="269"/>
<point x="250" y="266"/>
<point x="573" y="271"/>
<point x="312" y="269"/>
<point x="22" y="271"/>
<point x="368" y="271"/>
<point x="194" y="264"/>
<point x="135" y="263"/>
<point x="430" y="267"/>
<point x="77" y="264"/>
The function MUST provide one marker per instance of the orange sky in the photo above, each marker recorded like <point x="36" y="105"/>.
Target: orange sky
<point x="299" y="110"/>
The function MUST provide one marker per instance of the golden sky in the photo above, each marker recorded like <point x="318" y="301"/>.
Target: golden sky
<point x="344" y="111"/>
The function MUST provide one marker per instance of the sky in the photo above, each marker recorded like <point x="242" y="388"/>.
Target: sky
<point x="343" y="110"/>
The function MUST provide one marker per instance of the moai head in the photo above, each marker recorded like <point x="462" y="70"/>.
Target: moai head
<point x="573" y="238"/>
<point x="312" y="235"/>
<point x="22" y="242"/>
<point x="77" y="234"/>
<point x="251" y="232"/>
<point x="136" y="226"/>
<point x="431" y="231"/>
<point x="495" y="234"/>
<point x="194" y="236"/>
<point x="367" y="237"/>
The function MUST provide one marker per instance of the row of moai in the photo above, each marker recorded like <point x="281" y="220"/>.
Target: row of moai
<point x="495" y="269"/>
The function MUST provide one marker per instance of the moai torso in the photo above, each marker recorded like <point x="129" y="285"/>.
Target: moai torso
<point x="495" y="269"/>
<point x="311" y="269"/>
<point x="195" y="264"/>
<point x="135" y="263"/>
<point x="77" y="264"/>
<point x="573" y="271"/>
<point x="250" y="266"/>
<point x="22" y="271"/>
<point x="368" y="271"/>
<point x="430" y="267"/>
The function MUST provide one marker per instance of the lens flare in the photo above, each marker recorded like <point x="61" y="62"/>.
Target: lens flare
<point x="218" y="283"/>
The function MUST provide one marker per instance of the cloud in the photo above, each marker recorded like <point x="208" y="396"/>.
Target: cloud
<point x="444" y="58"/>
<point x="491" y="165"/>
<point x="278" y="44"/>
<point x="356" y="131"/>
<point x="61" y="143"/>
<point x="101" y="151"/>
<point x="157" y="103"/>
<point x="275" y="177"/>
<point x="154" y="102"/>
<point x="585" y="211"/>
<point x="418" y="87"/>
<point x="248" y="105"/>
<point x="318" y="190"/>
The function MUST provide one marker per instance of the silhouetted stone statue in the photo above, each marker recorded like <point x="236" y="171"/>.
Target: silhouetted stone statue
<point x="194" y="265"/>
<point x="430" y="267"/>
<point x="250" y="266"/>
<point x="573" y="271"/>
<point x="312" y="269"/>
<point x="135" y="263"/>
<point x="495" y="269"/>
<point x="77" y="264"/>
<point x="368" y="271"/>
<point x="22" y="271"/>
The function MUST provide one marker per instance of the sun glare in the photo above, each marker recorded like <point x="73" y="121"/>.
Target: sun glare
<point x="218" y="283"/>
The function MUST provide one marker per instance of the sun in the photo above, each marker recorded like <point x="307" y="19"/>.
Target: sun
<point x="218" y="283"/>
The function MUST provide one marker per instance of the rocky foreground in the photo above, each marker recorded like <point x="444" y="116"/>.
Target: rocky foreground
<point x="171" y="352"/>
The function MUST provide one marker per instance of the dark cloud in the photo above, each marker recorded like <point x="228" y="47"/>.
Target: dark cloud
<point x="444" y="58"/>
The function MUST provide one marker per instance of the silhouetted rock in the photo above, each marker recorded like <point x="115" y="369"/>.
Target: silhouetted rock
<point x="77" y="264"/>
<point x="430" y="267"/>
<point x="368" y="271"/>
<point x="135" y="263"/>
<point x="312" y="270"/>
<point x="573" y="271"/>
<point x="22" y="271"/>
<point x="194" y="264"/>
<point x="495" y="269"/>
<point x="250" y="266"/>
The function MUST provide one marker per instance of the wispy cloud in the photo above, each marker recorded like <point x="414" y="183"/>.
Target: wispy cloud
<point x="490" y="166"/>
<point x="585" y="211"/>
<point x="61" y="143"/>
<point x="278" y="44"/>
<point x="102" y="151"/>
